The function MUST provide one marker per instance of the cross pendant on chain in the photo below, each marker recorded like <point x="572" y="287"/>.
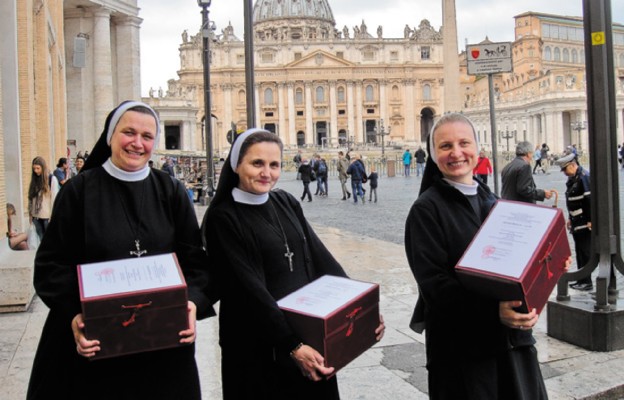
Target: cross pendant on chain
<point x="289" y="254"/>
<point x="138" y="251"/>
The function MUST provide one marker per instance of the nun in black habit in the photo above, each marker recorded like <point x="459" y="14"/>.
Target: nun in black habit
<point x="262" y="249"/>
<point x="477" y="348"/>
<point x="117" y="206"/>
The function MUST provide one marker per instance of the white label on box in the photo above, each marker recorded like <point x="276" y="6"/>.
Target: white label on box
<point x="129" y="275"/>
<point x="325" y="295"/>
<point x="508" y="239"/>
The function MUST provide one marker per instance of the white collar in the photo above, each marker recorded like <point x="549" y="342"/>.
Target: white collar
<point x="240" y="196"/>
<point x="467" y="190"/>
<point x="122" y="175"/>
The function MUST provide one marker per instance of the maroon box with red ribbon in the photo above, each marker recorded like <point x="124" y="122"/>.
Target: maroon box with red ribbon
<point x="519" y="253"/>
<point x="133" y="305"/>
<point x="336" y="316"/>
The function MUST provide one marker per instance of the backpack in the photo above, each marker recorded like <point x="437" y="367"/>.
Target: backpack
<point x="322" y="167"/>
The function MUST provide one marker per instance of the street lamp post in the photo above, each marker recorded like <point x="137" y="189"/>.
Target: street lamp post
<point x="204" y="4"/>
<point x="578" y="126"/>
<point x="382" y="132"/>
<point x="508" y="135"/>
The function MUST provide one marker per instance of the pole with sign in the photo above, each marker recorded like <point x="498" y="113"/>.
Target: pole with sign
<point x="489" y="59"/>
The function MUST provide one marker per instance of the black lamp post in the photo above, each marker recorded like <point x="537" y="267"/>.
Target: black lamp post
<point x="383" y="133"/>
<point x="204" y="4"/>
<point x="578" y="126"/>
<point x="508" y="135"/>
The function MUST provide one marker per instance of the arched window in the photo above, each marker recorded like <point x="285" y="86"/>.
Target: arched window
<point x="426" y="91"/>
<point x="299" y="96"/>
<point x="557" y="54"/>
<point x="370" y="95"/>
<point x="268" y="96"/>
<point x="320" y="94"/>
<point x="566" y="55"/>
<point x="547" y="54"/>
<point x="341" y="94"/>
<point x="574" y="56"/>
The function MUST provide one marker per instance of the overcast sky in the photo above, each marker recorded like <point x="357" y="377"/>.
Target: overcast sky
<point x="164" y="21"/>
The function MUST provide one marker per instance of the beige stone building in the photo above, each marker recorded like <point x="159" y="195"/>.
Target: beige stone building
<point x="544" y="99"/>
<point x="316" y="84"/>
<point x="63" y="66"/>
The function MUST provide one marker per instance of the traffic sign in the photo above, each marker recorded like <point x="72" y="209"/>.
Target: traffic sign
<point x="490" y="58"/>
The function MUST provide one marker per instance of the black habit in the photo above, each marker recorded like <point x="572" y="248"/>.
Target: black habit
<point x="470" y="354"/>
<point x="246" y="246"/>
<point x="95" y="218"/>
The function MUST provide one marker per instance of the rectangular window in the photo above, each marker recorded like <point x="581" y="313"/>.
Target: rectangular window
<point x="368" y="55"/>
<point x="267" y="57"/>
<point x="339" y="54"/>
<point x="297" y="56"/>
<point x="545" y="30"/>
<point x="268" y="114"/>
<point x="394" y="56"/>
<point x="341" y="112"/>
<point x="299" y="113"/>
<point x="425" y="53"/>
<point x="370" y="111"/>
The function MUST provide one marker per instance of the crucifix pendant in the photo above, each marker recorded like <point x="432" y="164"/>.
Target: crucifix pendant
<point x="289" y="254"/>
<point x="138" y="251"/>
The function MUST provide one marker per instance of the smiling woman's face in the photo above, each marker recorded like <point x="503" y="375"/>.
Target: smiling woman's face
<point x="456" y="151"/>
<point x="260" y="168"/>
<point x="132" y="141"/>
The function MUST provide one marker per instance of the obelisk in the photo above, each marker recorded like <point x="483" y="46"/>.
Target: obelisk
<point x="452" y="99"/>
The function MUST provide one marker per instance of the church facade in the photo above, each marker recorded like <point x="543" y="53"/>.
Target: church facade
<point x="315" y="84"/>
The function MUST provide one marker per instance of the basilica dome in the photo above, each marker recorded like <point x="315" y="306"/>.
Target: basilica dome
<point x="303" y="17"/>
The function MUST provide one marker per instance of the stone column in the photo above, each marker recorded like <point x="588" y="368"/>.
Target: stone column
<point x="310" y="139"/>
<point x="452" y="95"/>
<point x="350" y="110"/>
<point x="359" y="120"/>
<point x="185" y="136"/>
<point x="383" y="109"/>
<point x="128" y="57"/>
<point x="333" y="111"/>
<point x="102" y="65"/>
<point x="258" y="99"/>
<point x="411" y="132"/>
<point x="292" y="132"/>
<point x="228" y="118"/>
<point x="281" y="130"/>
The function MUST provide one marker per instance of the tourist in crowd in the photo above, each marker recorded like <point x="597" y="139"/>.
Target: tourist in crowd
<point x="407" y="162"/>
<point x="117" y="208"/>
<point x="373" y="179"/>
<point x="518" y="183"/>
<point x="306" y="173"/>
<point x="62" y="171"/>
<point x="41" y="194"/>
<point x="342" y="166"/>
<point x="17" y="240"/>
<point x="358" y="173"/>
<point x="483" y="168"/>
<point x="421" y="157"/>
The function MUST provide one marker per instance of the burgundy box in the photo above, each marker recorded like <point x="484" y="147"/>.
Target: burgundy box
<point x="519" y="253"/>
<point x="336" y="316"/>
<point x="133" y="305"/>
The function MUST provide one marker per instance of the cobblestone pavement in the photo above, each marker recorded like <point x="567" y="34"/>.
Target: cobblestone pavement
<point x="368" y="240"/>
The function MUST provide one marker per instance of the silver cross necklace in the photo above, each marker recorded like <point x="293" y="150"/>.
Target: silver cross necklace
<point x="289" y="254"/>
<point x="137" y="241"/>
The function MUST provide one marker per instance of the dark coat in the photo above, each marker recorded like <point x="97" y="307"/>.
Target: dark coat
<point x="306" y="172"/>
<point x="90" y="224"/>
<point x="253" y="274"/>
<point x="462" y="328"/>
<point x="518" y="182"/>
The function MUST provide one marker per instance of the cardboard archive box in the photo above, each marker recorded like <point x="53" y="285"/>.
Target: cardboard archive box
<point x="519" y="253"/>
<point x="336" y="316"/>
<point x="133" y="305"/>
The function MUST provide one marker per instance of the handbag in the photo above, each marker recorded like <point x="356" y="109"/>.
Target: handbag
<point x="364" y="178"/>
<point x="33" y="238"/>
<point x="312" y="175"/>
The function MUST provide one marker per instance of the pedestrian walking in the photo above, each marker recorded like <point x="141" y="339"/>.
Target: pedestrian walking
<point x="407" y="162"/>
<point x="342" y="166"/>
<point x="483" y="168"/>
<point x="357" y="172"/>
<point x="306" y="172"/>
<point x="518" y="183"/>
<point x="373" y="178"/>
<point x="421" y="157"/>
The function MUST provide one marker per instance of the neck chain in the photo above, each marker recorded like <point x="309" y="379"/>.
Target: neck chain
<point x="137" y="241"/>
<point x="289" y="254"/>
